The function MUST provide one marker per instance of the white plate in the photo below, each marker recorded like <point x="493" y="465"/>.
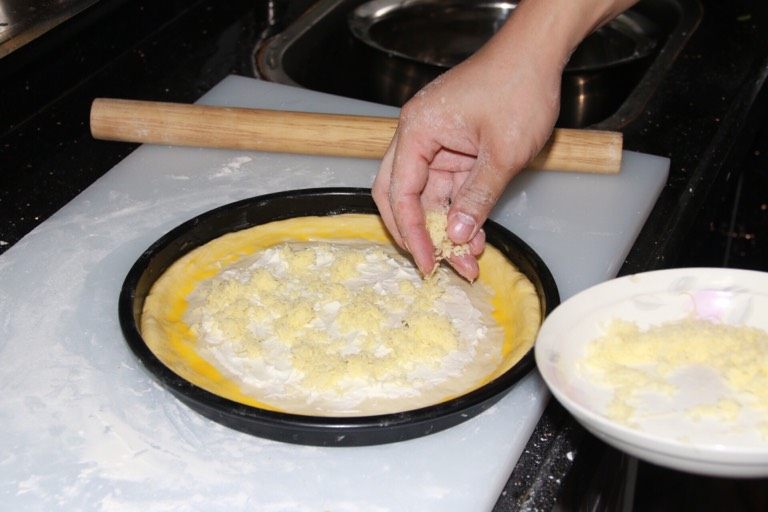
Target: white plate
<point x="737" y="297"/>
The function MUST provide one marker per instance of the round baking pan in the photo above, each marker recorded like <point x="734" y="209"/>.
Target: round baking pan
<point x="303" y="429"/>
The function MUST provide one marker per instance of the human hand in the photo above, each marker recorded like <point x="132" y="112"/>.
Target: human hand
<point x="462" y="138"/>
<point x="459" y="142"/>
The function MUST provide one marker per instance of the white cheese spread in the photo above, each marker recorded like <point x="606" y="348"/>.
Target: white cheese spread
<point x="344" y="328"/>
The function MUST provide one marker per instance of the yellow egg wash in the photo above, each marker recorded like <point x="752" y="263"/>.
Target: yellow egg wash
<point x="514" y="302"/>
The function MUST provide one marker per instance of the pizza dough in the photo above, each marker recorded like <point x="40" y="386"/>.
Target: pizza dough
<point x="323" y="316"/>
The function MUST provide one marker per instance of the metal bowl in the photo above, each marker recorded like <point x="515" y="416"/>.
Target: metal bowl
<point x="434" y="32"/>
<point x="296" y="428"/>
<point x="411" y="42"/>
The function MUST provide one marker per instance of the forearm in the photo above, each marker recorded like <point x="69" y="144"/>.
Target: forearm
<point x="549" y="30"/>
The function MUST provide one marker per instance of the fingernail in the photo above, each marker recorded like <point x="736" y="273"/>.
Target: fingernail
<point x="467" y="268"/>
<point x="471" y="271"/>
<point x="462" y="227"/>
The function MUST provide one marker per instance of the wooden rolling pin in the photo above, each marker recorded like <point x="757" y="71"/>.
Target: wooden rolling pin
<point x="313" y="134"/>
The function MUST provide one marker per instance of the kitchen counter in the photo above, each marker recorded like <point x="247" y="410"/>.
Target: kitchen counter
<point x="704" y="117"/>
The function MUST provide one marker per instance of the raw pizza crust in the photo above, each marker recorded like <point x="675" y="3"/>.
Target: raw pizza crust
<point x="264" y="357"/>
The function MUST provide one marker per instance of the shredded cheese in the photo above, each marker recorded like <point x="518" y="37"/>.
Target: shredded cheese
<point x="633" y="361"/>
<point x="377" y="333"/>
<point x="437" y="226"/>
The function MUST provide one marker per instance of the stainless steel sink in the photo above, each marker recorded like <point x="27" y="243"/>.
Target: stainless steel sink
<point x="319" y="52"/>
<point x="22" y="21"/>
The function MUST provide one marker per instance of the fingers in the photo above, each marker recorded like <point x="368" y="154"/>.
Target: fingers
<point x="408" y="180"/>
<point x="477" y="196"/>
<point x="452" y="161"/>
<point x="437" y="194"/>
<point x="403" y="194"/>
<point x="466" y="265"/>
<point x="477" y="244"/>
<point x="471" y="205"/>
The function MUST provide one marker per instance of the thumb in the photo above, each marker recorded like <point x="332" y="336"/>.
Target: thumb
<point x="476" y="198"/>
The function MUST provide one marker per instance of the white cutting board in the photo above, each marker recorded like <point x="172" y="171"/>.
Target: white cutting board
<point x="84" y="426"/>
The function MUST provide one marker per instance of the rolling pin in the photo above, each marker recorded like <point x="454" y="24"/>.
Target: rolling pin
<point x="312" y="134"/>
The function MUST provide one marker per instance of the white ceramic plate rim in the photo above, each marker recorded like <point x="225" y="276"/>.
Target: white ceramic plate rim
<point x="622" y="288"/>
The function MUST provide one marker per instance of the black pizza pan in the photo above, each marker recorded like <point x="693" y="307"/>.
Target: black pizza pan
<point x="305" y="429"/>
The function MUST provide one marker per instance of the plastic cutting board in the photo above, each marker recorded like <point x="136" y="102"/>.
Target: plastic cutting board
<point x="83" y="425"/>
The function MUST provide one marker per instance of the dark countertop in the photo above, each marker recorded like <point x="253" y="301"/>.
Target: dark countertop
<point x="704" y="117"/>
